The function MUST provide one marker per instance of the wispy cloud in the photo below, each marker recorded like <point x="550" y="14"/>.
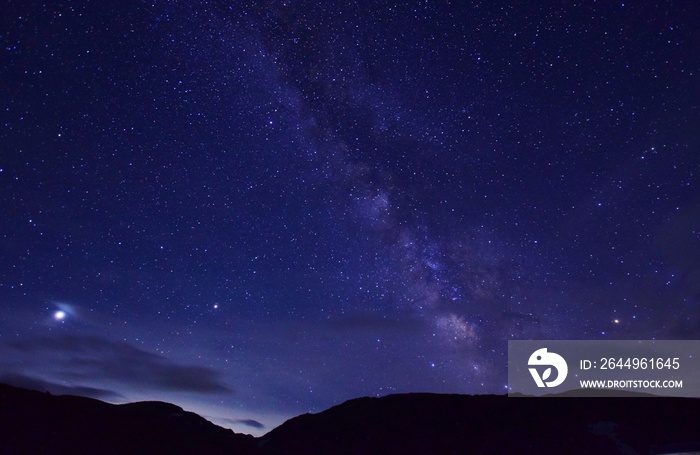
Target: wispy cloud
<point x="32" y="383"/>
<point x="247" y="422"/>
<point x="84" y="358"/>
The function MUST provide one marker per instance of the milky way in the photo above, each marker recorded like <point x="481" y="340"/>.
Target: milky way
<point x="255" y="210"/>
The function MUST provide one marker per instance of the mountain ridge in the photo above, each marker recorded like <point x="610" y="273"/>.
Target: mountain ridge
<point x="36" y="422"/>
<point x="414" y="423"/>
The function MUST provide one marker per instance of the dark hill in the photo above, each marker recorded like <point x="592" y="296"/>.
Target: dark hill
<point x="39" y="423"/>
<point x="462" y="424"/>
<point x="33" y="422"/>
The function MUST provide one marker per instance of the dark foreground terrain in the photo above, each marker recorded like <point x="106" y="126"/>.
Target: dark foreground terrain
<point x="34" y="422"/>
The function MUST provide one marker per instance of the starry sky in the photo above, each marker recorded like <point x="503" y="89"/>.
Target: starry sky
<point x="259" y="209"/>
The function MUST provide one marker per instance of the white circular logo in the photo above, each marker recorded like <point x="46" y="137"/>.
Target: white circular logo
<point x="543" y="358"/>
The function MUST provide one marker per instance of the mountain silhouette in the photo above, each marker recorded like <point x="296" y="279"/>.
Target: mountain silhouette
<point x="418" y="423"/>
<point x="40" y="423"/>
<point x="488" y="424"/>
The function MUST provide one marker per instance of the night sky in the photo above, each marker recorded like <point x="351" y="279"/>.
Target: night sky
<point x="259" y="209"/>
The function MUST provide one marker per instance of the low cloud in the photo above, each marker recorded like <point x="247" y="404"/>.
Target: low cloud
<point x="84" y="358"/>
<point x="32" y="383"/>
<point x="247" y="422"/>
